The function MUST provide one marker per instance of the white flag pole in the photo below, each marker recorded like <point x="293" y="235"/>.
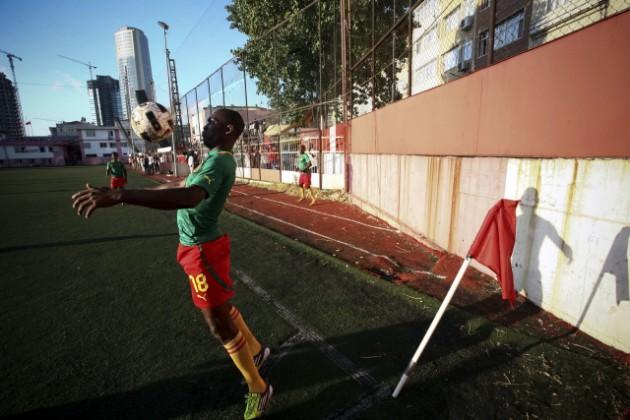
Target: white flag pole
<point x="429" y="333"/>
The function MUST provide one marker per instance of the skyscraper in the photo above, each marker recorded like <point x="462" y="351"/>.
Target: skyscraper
<point x="10" y="120"/>
<point x="134" y="66"/>
<point x="105" y="103"/>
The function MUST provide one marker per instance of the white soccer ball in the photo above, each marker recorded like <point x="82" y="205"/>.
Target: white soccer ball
<point x="151" y="121"/>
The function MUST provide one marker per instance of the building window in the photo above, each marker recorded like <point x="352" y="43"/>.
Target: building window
<point x="426" y="73"/>
<point x="509" y="30"/>
<point x="453" y="19"/>
<point x="90" y="133"/>
<point x="103" y="145"/>
<point x="87" y="145"/>
<point x="482" y="48"/>
<point x="427" y="42"/>
<point x="42" y="149"/>
<point x="107" y="155"/>
<point x="554" y="4"/>
<point x="467" y="50"/>
<point x="450" y="59"/>
<point x="111" y="134"/>
<point x="112" y="144"/>
<point x="483" y="4"/>
<point x="50" y="149"/>
<point x="90" y="156"/>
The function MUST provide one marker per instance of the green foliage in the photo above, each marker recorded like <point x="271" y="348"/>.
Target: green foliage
<point x="289" y="60"/>
<point x="285" y="61"/>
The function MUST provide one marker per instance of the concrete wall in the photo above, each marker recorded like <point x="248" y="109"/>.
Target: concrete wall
<point x="571" y="252"/>
<point x="422" y="163"/>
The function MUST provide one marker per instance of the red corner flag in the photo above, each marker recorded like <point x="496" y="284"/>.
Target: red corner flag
<point x="494" y="244"/>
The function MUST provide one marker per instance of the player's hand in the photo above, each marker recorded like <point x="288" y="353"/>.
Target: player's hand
<point x="89" y="199"/>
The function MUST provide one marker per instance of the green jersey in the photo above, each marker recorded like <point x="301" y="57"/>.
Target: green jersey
<point x="303" y="162"/>
<point x="116" y="169"/>
<point x="216" y="176"/>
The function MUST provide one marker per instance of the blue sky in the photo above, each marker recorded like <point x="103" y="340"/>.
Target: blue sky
<point x="52" y="88"/>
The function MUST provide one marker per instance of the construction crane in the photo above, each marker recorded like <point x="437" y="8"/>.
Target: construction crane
<point x="97" y="114"/>
<point x="17" y="94"/>
<point x="88" y="64"/>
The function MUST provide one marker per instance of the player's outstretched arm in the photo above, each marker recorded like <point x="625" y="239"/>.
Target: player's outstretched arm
<point x="89" y="199"/>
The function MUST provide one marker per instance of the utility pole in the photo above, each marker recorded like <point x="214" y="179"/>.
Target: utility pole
<point x="15" y="85"/>
<point x="165" y="27"/>
<point x="343" y="15"/>
<point x="128" y="108"/>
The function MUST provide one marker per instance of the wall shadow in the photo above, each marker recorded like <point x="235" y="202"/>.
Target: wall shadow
<point x="531" y="231"/>
<point x="616" y="263"/>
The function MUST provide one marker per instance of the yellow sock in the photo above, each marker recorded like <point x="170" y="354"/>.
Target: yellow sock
<point x="253" y="344"/>
<point x="241" y="356"/>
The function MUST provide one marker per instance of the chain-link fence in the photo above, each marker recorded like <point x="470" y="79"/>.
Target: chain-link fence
<point x="288" y="79"/>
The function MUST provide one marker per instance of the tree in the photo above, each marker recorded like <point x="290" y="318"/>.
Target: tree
<point x="289" y="60"/>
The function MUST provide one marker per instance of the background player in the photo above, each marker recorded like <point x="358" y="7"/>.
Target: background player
<point x="304" y="167"/>
<point x="117" y="172"/>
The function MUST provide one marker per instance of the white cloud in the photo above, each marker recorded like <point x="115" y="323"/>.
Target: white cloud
<point x="74" y="83"/>
<point x="57" y="86"/>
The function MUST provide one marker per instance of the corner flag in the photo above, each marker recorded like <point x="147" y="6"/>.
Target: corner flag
<point x="492" y="247"/>
<point x="494" y="244"/>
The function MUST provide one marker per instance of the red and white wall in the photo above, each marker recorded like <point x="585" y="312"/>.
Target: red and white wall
<point x="550" y="127"/>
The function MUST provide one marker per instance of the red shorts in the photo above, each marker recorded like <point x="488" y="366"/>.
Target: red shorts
<point x="117" y="182"/>
<point x="208" y="269"/>
<point x="305" y="179"/>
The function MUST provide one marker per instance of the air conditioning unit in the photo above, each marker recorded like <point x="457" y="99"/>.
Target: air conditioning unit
<point x="463" y="66"/>
<point x="467" y="23"/>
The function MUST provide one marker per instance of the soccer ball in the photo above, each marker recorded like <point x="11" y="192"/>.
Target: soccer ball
<point x="151" y="121"/>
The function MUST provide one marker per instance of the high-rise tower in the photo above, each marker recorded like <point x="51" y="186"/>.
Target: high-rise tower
<point x="134" y="66"/>
<point x="105" y="101"/>
<point x="10" y="120"/>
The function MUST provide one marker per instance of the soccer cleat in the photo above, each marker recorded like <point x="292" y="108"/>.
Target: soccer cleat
<point x="257" y="403"/>
<point x="261" y="357"/>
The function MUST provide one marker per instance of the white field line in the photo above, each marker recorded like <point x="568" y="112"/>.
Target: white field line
<point x="365" y="251"/>
<point x="309" y="333"/>
<point x="319" y="212"/>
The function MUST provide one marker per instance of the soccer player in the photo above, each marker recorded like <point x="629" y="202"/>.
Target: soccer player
<point x="304" y="167"/>
<point x="203" y="252"/>
<point x="117" y="172"/>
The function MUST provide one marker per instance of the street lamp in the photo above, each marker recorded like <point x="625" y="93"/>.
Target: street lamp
<point x="164" y="26"/>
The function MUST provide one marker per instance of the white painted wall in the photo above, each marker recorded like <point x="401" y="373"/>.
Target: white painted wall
<point x="571" y="252"/>
<point x="30" y="152"/>
<point x="91" y="144"/>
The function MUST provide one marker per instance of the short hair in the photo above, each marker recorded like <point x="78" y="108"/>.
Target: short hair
<point x="234" y="118"/>
<point x="115" y="154"/>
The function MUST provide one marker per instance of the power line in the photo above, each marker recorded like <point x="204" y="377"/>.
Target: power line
<point x="52" y="85"/>
<point x="194" y="27"/>
<point x="181" y="44"/>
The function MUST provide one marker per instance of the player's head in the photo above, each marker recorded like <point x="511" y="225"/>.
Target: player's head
<point x="223" y="128"/>
<point x="302" y="149"/>
<point x="115" y="156"/>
